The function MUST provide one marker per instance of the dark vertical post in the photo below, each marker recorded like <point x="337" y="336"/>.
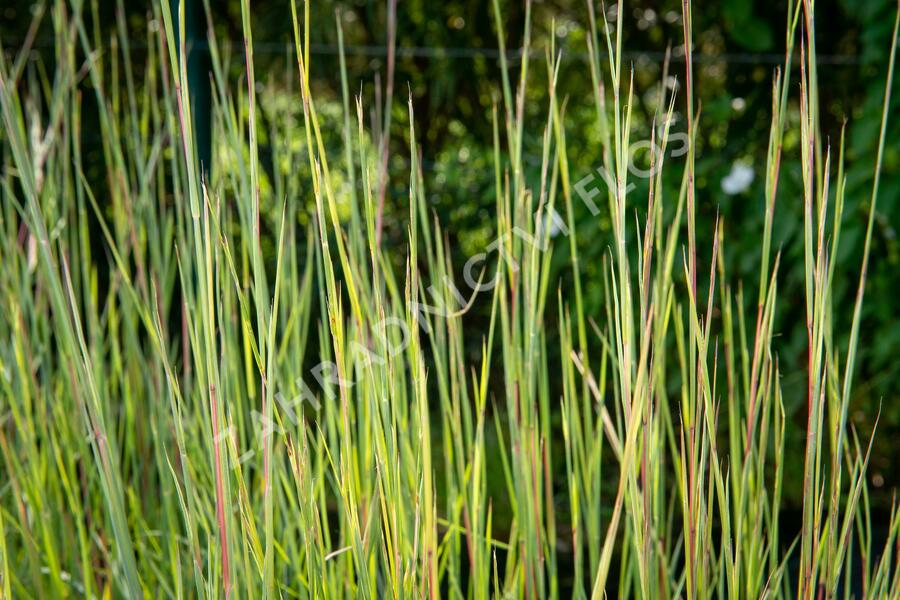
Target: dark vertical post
<point x="198" y="69"/>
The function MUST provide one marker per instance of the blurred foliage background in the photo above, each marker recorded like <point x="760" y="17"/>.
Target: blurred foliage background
<point x="447" y="59"/>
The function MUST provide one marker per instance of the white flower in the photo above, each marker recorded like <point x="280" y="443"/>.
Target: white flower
<point x="738" y="180"/>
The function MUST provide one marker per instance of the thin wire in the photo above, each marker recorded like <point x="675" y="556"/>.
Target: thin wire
<point x="472" y="53"/>
<point x="749" y="58"/>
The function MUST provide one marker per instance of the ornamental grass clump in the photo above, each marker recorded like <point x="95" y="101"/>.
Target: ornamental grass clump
<point x="223" y="380"/>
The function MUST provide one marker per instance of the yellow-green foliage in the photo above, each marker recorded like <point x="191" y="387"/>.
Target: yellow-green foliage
<point x="218" y="381"/>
